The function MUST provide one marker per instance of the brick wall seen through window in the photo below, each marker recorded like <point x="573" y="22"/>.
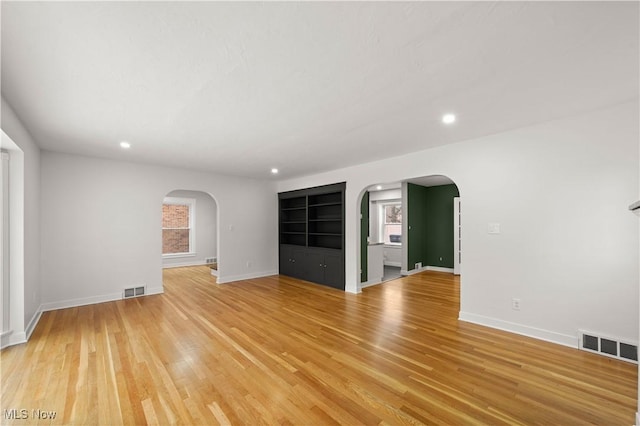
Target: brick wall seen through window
<point x="175" y="228"/>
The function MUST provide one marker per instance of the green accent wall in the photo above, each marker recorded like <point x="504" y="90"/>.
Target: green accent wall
<point x="364" y="234"/>
<point x="430" y="211"/>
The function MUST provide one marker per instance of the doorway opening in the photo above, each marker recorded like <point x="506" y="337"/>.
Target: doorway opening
<point x="408" y="227"/>
<point x="190" y="230"/>
<point x="12" y="300"/>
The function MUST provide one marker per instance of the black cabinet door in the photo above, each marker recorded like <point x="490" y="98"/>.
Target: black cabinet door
<point x="293" y="261"/>
<point x="334" y="271"/>
<point x="286" y="267"/>
<point x="325" y="267"/>
<point x="299" y="263"/>
<point x="316" y="267"/>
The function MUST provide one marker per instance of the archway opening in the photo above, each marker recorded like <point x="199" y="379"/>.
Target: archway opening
<point x="190" y="230"/>
<point x="408" y="227"/>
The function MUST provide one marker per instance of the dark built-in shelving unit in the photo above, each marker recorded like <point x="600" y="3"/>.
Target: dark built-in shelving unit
<point x="312" y="234"/>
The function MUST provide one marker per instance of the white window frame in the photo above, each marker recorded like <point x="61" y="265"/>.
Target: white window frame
<point x="191" y="202"/>
<point x="382" y="216"/>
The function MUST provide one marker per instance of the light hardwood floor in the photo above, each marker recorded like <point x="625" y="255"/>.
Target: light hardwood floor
<point x="280" y="351"/>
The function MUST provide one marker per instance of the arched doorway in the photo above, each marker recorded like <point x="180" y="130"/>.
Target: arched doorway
<point x="408" y="227"/>
<point x="189" y="230"/>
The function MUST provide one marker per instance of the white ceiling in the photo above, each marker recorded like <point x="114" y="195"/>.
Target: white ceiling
<point x="238" y="88"/>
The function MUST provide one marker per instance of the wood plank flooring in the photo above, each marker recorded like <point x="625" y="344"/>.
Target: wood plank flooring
<point x="277" y="350"/>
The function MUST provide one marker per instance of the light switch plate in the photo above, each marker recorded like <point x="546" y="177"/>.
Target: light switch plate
<point x="493" y="228"/>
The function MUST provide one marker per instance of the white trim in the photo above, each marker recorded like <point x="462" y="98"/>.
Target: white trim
<point x="178" y="255"/>
<point x="413" y="271"/>
<point x="524" y="330"/>
<point x="72" y="303"/>
<point x="370" y="283"/>
<point x="427" y="268"/>
<point x="382" y="218"/>
<point x="183" y="264"/>
<point x="233" y="278"/>
<point x="396" y="264"/>
<point x="457" y="219"/>
<point x="33" y="323"/>
<point x="637" y="418"/>
<point x="438" y="269"/>
<point x="191" y="202"/>
<point x="5" y="234"/>
<point x="15" y="339"/>
<point x="179" y="201"/>
<point x="5" y="339"/>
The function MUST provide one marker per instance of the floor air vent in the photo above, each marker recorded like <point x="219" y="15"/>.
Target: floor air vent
<point x="133" y="292"/>
<point x="608" y="346"/>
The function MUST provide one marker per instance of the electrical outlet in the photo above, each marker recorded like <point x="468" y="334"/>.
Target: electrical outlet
<point x="515" y="304"/>
<point x="418" y="265"/>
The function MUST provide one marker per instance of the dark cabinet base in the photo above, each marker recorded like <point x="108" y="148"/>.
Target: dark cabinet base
<point x="322" y="266"/>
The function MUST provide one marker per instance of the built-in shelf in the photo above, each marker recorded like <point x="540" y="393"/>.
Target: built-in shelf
<point x="312" y="234"/>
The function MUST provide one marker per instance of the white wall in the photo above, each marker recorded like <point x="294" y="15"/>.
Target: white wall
<point x="25" y="243"/>
<point x="206" y="229"/>
<point x="568" y="249"/>
<point x="101" y="226"/>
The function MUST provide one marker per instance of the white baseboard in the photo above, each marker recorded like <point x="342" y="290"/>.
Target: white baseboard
<point x="10" y="338"/>
<point x="72" y="303"/>
<point x="427" y="268"/>
<point x="154" y="290"/>
<point x="6" y="339"/>
<point x="439" y="269"/>
<point x="183" y="264"/>
<point x="14" y="338"/>
<point x="536" y="333"/>
<point x="413" y="271"/>
<point x="369" y="283"/>
<point x="232" y="278"/>
<point x="33" y="323"/>
<point x="637" y="419"/>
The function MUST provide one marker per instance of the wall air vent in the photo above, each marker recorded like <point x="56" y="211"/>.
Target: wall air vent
<point x="608" y="346"/>
<point x="133" y="292"/>
<point x="209" y="260"/>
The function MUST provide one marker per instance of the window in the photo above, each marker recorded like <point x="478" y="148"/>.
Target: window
<point x="178" y="226"/>
<point x="392" y="227"/>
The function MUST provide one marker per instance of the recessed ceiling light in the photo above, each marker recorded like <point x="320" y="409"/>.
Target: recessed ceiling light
<point x="448" y="118"/>
<point x="125" y="145"/>
<point x="274" y="171"/>
<point x="379" y="187"/>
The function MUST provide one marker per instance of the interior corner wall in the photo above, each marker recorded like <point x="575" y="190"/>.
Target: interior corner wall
<point x="418" y="236"/>
<point x="568" y="247"/>
<point x="430" y="216"/>
<point x="31" y="291"/>
<point x="102" y="226"/>
<point x="206" y="229"/>
<point x="439" y="224"/>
